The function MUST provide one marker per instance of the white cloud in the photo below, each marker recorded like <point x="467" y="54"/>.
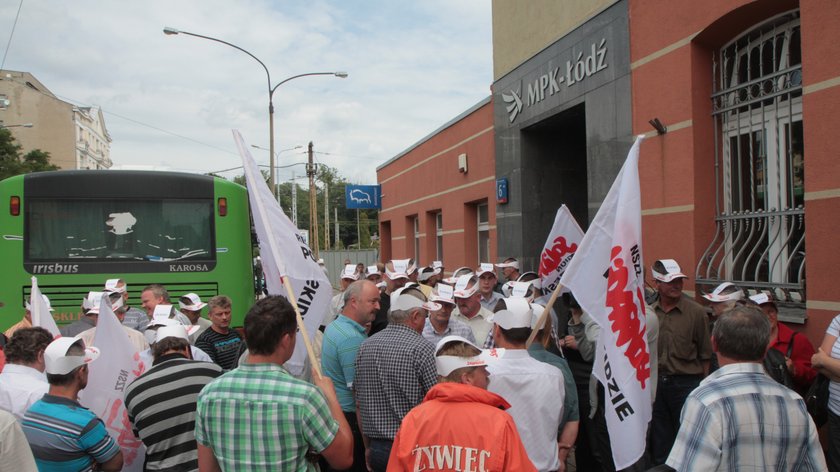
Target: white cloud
<point x="413" y="66"/>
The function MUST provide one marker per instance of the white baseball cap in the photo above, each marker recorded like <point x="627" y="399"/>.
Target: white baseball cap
<point x="485" y="268"/>
<point x="46" y="300"/>
<point x="406" y="302"/>
<point x="716" y="297"/>
<point x="511" y="263"/>
<point x="427" y="272"/>
<point x="437" y="264"/>
<point x="176" y="330"/>
<point x="443" y="294"/>
<point x="535" y="281"/>
<point x="461" y="290"/>
<point x="195" y="302"/>
<point x="111" y="286"/>
<point x="458" y="273"/>
<point x="519" y="289"/>
<point x="761" y="298"/>
<point x="517" y="314"/>
<point x="94" y="300"/>
<point x="411" y="266"/>
<point x="159" y="320"/>
<point x="670" y="270"/>
<point x="58" y="362"/>
<point x="163" y="311"/>
<point x="349" y="272"/>
<point x="446" y="364"/>
<point x="400" y="269"/>
<point x="372" y="270"/>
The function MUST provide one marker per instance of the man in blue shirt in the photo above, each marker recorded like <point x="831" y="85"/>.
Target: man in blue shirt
<point x="63" y="434"/>
<point x="342" y="339"/>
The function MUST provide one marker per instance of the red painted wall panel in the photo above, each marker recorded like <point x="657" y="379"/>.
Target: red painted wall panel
<point x="411" y="187"/>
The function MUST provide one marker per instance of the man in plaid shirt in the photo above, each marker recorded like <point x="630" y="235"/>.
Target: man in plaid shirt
<point x="394" y="370"/>
<point x="739" y="418"/>
<point x="258" y="417"/>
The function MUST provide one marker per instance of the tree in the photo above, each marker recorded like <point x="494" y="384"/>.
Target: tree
<point x="13" y="163"/>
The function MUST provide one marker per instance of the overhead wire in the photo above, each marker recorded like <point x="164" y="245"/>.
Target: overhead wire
<point x="11" y="35"/>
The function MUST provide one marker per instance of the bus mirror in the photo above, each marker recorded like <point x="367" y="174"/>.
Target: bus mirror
<point x="223" y="206"/>
<point x="14" y="206"/>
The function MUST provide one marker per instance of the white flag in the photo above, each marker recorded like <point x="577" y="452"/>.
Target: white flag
<point x="41" y="315"/>
<point x="606" y="277"/>
<point x="118" y="365"/>
<point x="284" y="253"/>
<point x="562" y="242"/>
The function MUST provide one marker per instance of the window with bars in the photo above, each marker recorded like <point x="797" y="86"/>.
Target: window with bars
<point x="759" y="241"/>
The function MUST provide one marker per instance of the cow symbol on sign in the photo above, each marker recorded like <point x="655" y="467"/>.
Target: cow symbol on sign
<point x="360" y="196"/>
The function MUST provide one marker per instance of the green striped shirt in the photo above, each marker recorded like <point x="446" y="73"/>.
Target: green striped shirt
<point x="258" y="417"/>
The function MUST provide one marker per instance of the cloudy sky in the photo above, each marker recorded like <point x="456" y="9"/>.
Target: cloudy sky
<point x="171" y="101"/>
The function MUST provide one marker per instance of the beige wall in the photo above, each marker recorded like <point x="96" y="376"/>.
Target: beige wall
<point x="524" y="28"/>
<point x="75" y="137"/>
<point x="53" y="129"/>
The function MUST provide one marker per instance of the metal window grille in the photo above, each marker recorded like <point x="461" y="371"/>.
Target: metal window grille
<point x="759" y="240"/>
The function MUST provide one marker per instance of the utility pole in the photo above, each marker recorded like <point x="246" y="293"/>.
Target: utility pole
<point x="358" y="229"/>
<point x="336" y="227"/>
<point x="313" y="204"/>
<point x="294" y="200"/>
<point x="326" y="216"/>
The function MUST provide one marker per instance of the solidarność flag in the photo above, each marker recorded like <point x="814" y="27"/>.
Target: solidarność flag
<point x="607" y="279"/>
<point x="285" y="254"/>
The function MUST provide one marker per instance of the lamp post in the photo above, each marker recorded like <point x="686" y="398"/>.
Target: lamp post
<point x="276" y="156"/>
<point x="172" y="31"/>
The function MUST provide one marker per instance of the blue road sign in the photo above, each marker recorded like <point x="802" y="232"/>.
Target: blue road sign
<point x="501" y="190"/>
<point x="363" y="197"/>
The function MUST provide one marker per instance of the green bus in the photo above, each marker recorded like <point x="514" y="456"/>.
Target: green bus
<point x="74" y="229"/>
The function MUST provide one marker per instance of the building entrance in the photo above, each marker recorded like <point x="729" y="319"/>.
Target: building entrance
<point x="554" y="173"/>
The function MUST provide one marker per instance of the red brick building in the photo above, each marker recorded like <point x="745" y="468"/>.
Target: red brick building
<point x="438" y="196"/>
<point x="739" y="183"/>
<point x="749" y="93"/>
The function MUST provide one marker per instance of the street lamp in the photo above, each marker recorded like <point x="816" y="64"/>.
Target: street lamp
<point x="171" y="31"/>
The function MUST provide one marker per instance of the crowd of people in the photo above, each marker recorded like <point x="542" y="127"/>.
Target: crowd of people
<point x="421" y="369"/>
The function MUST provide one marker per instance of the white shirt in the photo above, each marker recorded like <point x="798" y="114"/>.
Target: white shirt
<point x="15" y="453"/>
<point x="535" y="392"/>
<point x="203" y="324"/>
<point x="20" y="387"/>
<point x="478" y="323"/>
<point x="197" y="355"/>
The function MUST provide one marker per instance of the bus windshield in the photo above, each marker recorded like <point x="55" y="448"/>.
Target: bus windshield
<point x="119" y="230"/>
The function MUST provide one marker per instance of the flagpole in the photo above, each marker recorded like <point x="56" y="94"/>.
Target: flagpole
<point x="309" y="351"/>
<point x="544" y="314"/>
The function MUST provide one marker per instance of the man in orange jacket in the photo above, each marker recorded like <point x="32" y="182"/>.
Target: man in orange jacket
<point x="460" y="425"/>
